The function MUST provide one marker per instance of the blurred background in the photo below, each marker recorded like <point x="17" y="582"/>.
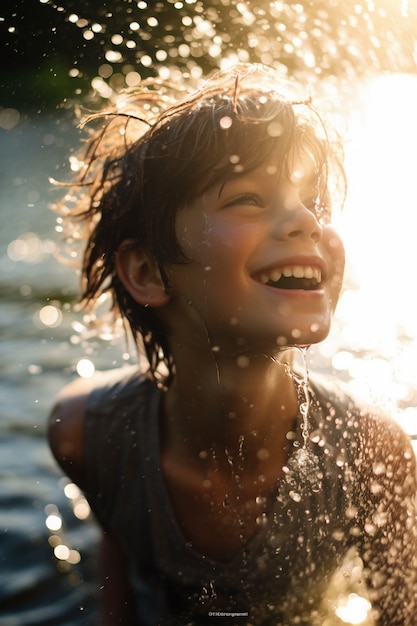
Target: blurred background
<point x="358" y="58"/>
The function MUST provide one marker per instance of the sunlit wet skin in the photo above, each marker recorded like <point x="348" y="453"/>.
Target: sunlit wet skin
<point x="222" y="495"/>
<point x="232" y="403"/>
<point x="238" y="237"/>
<point x="218" y="512"/>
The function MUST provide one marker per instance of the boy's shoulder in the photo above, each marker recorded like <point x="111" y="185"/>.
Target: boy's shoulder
<point x="375" y="429"/>
<point x="116" y="387"/>
<point x="66" y="420"/>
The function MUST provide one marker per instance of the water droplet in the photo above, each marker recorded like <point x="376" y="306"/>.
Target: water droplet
<point x="380" y="518"/>
<point x="242" y="361"/>
<point x="281" y="340"/>
<point x="370" y="528"/>
<point x="315" y="437"/>
<point x="275" y="129"/>
<point x="263" y="454"/>
<point x="379" y="468"/>
<point x="225" y="122"/>
<point x="353" y="609"/>
<point x="376" y="487"/>
<point x="338" y="535"/>
<point x="294" y="495"/>
<point x="340" y="461"/>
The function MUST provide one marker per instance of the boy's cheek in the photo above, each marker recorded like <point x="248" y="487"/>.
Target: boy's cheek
<point x="336" y="252"/>
<point x="335" y="248"/>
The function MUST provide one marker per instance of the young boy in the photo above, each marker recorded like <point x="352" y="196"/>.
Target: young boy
<point x="206" y="218"/>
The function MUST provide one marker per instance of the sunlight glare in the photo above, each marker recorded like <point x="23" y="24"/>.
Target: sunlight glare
<point x="377" y="312"/>
<point x="354" y="609"/>
<point x="380" y="222"/>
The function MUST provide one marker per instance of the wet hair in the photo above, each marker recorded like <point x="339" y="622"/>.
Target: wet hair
<point x="157" y="150"/>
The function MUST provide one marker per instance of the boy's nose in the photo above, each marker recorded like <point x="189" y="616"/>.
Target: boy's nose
<point x="296" y="221"/>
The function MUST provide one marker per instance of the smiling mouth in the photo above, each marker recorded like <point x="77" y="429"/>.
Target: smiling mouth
<point x="292" y="277"/>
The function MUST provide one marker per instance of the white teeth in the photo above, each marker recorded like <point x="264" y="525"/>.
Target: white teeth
<point x="275" y="275"/>
<point x="296" y="271"/>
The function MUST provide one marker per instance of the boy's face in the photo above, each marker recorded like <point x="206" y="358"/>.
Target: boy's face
<point x="263" y="271"/>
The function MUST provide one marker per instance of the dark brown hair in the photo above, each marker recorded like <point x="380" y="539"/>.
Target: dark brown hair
<point x="159" y="149"/>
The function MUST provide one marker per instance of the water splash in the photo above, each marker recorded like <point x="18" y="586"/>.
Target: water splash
<point x="112" y="48"/>
<point x="303" y="394"/>
<point x="302" y="472"/>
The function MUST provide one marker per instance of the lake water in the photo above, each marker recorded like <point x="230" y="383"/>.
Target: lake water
<point x="47" y="548"/>
<point x="36" y="587"/>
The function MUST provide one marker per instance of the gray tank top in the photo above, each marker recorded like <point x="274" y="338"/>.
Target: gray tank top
<point x="280" y="576"/>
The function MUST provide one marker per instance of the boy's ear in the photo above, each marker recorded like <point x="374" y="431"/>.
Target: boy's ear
<point x="140" y="274"/>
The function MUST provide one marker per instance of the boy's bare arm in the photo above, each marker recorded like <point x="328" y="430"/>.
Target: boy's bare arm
<point x="391" y="490"/>
<point x="65" y="433"/>
<point x="65" y="428"/>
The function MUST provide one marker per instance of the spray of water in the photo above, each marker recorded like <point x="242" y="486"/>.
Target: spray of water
<point x="302" y="472"/>
<point x="196" y="36"/>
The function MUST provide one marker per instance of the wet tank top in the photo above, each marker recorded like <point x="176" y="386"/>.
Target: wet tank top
<point x="286" y="571"/>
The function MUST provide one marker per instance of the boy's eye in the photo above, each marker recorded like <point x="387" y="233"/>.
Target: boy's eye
<point x="251" y="199"/>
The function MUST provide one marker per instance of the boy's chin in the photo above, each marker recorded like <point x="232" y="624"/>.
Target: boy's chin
<point x="303" y="339"/>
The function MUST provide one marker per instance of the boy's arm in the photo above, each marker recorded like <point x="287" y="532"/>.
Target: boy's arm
<point x="65" y="435"/>
<point x="65" y="427"/>
<point x="390" y="491"/>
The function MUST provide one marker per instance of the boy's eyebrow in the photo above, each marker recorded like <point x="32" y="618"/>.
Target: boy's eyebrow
<point x="232" y="177"/>
<point x="227" y="180"/>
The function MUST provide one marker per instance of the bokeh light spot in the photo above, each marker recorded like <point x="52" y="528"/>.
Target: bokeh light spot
<point x="85" y="368"/>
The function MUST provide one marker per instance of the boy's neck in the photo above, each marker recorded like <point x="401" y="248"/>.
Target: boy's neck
<point x="220" y="406"/>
